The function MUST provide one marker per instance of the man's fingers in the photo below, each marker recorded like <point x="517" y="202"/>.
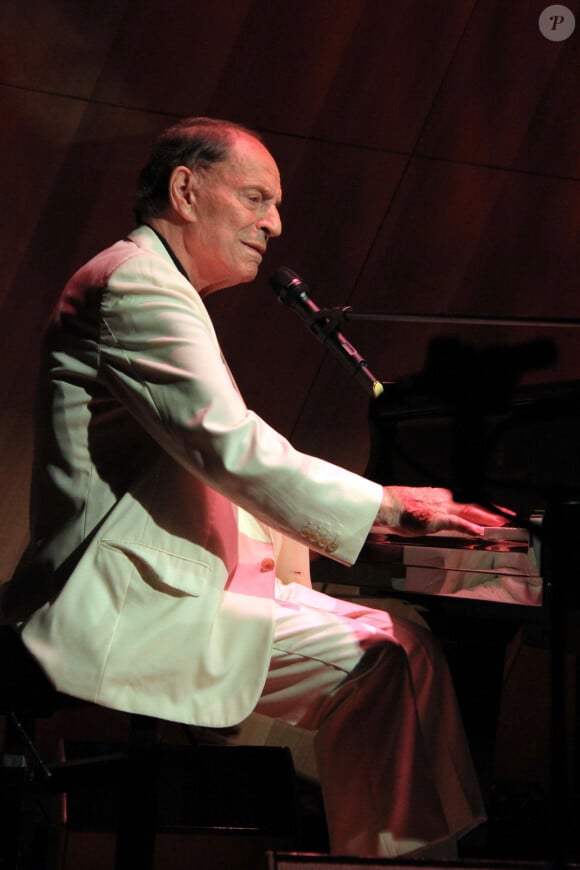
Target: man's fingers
<point x="476" y="514"/>
<point x="457" y="524"/>
<point x="415" y="511"/>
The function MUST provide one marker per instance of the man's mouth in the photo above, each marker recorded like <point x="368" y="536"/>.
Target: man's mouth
<point x="260" y="249"/>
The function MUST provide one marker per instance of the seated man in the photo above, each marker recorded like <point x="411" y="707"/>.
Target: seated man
<point x="167" y="520"/>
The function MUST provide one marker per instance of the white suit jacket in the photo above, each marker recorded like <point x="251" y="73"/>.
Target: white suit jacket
<point x="161" y="503"/>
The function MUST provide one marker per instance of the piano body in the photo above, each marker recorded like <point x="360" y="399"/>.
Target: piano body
<point x="477" y="594"/>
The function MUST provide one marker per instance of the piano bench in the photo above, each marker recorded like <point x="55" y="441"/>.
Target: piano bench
<point x="135" y="789"/>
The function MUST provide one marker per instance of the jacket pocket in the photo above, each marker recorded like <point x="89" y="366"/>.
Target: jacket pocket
<point x="164" y="571"/>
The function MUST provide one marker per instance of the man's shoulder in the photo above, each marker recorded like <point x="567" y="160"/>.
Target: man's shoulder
<point x="141" y="244"/>
<point x="135" y="263"/>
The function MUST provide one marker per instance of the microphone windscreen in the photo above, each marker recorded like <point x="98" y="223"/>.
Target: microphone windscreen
<point x="286" y="283"/>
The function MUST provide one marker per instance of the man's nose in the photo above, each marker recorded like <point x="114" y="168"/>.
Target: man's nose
<point x="271" y="222"/>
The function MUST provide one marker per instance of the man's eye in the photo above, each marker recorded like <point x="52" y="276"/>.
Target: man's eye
<point x="255" y="198"/>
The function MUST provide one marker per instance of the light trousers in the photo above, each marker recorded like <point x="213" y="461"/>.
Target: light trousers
<point x="393" y="761"/>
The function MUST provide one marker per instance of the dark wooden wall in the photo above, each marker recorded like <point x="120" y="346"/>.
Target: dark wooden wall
<point x="430" y="155"/>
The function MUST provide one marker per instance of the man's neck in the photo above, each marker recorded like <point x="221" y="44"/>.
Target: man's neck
<point x="153" y="225"/>
<point x="172" y="237"/>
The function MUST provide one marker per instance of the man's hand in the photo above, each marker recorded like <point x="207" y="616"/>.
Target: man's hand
<point x="421" y="510"/>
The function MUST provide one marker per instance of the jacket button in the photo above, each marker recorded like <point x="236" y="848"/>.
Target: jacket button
<point x="267" y="565"/>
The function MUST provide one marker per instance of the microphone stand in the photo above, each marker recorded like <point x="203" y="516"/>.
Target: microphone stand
<point x="341" y="314"/>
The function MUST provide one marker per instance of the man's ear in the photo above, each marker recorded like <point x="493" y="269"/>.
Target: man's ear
<point x="182" y="192"/>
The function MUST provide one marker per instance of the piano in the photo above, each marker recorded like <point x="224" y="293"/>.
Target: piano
<point x="477" y="594"/>
<point x="525" y="455"/>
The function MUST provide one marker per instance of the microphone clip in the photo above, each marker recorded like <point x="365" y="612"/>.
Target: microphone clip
<point x="329" y="319"/>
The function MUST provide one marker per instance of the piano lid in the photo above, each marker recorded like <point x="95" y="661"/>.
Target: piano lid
<point x="525" y="452"/>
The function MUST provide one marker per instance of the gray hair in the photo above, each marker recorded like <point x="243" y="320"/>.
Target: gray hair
<point x="192" y="142"/>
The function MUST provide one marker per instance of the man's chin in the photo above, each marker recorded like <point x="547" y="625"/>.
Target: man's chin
<point x="250" y="273"/>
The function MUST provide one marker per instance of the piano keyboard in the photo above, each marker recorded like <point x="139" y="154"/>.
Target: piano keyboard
<point x="502" y="566"/>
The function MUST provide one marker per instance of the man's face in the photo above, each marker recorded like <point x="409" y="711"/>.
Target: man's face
<point x="236" y="212"/>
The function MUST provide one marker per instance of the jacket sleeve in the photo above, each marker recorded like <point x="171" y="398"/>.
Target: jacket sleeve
<point x="158" y="354"/>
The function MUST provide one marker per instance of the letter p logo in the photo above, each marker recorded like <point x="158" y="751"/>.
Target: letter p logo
<point x="557" y="23"/>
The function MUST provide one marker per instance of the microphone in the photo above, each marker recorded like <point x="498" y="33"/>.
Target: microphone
<point x="293" y="292"/>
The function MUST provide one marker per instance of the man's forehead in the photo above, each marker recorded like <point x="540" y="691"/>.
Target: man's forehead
<point x="252" y="163"/>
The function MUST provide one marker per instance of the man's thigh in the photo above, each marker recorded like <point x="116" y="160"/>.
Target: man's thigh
<point x="319" y="642"/>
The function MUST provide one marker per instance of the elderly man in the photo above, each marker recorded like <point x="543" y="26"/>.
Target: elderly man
<point x="171" y="525"/>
